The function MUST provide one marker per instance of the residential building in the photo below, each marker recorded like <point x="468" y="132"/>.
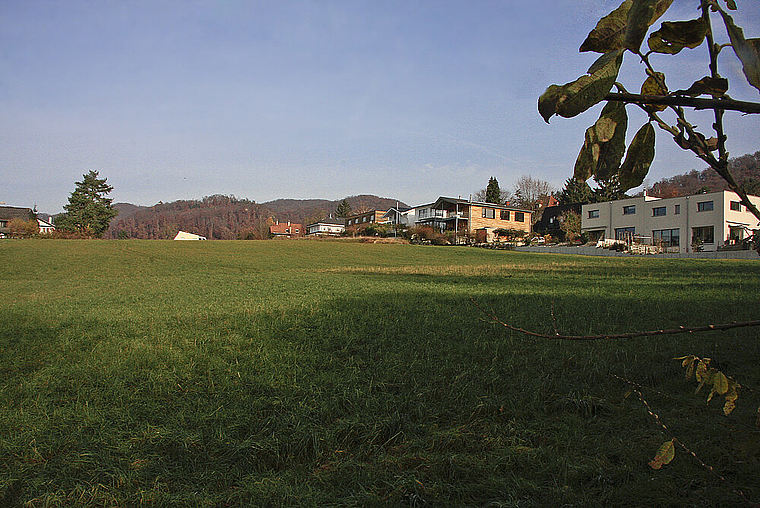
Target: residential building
<point x="466" y="217"/>
<point x="45" y="226"/>
<point x="402" y="215"/>
<point x="368" y="217"/>
<point x="326" y="227"/>
<point x="709" y="220"/>
<point x="8" y="213"/>
<point x="286" y="229"/>
<point x="549" y="223"/>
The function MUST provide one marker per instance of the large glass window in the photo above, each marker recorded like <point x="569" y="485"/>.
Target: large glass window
<point x="593" y="214"/>
<point x="624" y="233"/>
<point x="629" y="210"/>
<point x="489" y="213"/>
<point x="658" y="211"/>
<point x="504" y="214"/>
<point x="705" y="206"/>
<point x="706" y="234"/>
<point x="667" y="237"/>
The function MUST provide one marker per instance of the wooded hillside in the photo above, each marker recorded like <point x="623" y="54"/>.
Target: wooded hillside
<point x="221" y="217"/>
<point x="746" y="171"/>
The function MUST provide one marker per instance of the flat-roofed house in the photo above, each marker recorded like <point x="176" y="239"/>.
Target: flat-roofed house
<point x="708" y="221"/>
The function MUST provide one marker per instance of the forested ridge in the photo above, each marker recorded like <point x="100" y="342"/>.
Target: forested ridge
<point x="746" y="171"/>
<point x="221" y="217"/>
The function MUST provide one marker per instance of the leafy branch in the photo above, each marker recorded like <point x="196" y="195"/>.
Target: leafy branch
<point x="624" y="30"/>
<point x="666" y="452"/>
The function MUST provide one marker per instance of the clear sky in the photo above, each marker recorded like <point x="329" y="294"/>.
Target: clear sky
<point x="179" y="99"/>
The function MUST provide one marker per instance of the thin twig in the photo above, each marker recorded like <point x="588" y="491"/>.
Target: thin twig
<point x="630" y="335"/>
<point x="723" y="416"/>
<point x="554" y="321"/>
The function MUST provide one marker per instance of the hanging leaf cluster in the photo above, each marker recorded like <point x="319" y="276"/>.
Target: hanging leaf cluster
<point x="719" y="383"/>
<point x="625" y="29"/>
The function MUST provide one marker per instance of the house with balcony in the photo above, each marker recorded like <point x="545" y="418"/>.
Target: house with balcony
<point x="703" y="221"/>
<point x="465" y="218"/>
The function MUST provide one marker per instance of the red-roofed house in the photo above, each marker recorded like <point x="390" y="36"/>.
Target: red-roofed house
<point x="286" y="229"/>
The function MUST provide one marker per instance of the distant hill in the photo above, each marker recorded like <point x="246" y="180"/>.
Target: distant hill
<point x="745" y="169"/>
<point x="227" y="217"/>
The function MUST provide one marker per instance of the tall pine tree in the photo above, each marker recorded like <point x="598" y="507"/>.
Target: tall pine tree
<point x="89" y="210"/>
<point x="493" y="193"/>
<point x="344" y="209"/>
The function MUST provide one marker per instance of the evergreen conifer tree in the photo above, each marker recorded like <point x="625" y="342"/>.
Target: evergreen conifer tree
<point x="89" y="211"/>
<point x="493" y="193"/>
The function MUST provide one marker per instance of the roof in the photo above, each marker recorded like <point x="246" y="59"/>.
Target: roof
<point x="15" y="212"/>
<point x="460" y="201"/>
<point x="183" y="235"/>
<point x="285" y="228"/>
<point x="330" y="221"/>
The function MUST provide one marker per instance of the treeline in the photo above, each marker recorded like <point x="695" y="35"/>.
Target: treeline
<point x="746" y="171"/>
<point x="221" y="217"/>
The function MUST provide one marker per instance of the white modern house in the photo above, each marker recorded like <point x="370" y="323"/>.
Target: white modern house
<point x="710" y="220"/>
<point x="326" y="227"/>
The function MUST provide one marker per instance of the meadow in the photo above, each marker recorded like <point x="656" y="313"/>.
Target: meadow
<point x="319" y="373"/>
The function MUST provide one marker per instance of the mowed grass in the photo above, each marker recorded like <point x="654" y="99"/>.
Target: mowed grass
<point x="329" y="373"/>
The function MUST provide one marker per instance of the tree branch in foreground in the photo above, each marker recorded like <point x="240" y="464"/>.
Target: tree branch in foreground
<point x="677" y="441"/>
<point x="630" y="335"/>
<point x="691" y="102"/>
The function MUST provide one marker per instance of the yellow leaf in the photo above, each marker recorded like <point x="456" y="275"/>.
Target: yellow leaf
<point x="665" y="455"/>
<point x="702" y="369"/>
<point x="720" y="383"/>
<point x="732" y="393"/>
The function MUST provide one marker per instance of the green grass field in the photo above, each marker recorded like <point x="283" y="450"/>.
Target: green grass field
<point x="329" y="373"/>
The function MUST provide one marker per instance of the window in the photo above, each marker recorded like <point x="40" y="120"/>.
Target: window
<point x="667" y="237"/>
<point x="3" y="223"/>
<point x="658" y="211"/>
<point x="624" y="233"/>
<point x="489" y="213"/>
<point x="519" y="217"/>
<point x="629" y="210"/>
<point x="504" y="214"/>
<point x="736" y="206"/>
<point x="593" y="214"/>
<point x="349" y="222"/>
<point x="297" y="230"/>
<point x="705" y="206"/>
<point x="705" y="234"/>
<point x="677" y="210"/>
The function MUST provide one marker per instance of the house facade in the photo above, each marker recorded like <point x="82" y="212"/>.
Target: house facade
<point x="326" y="227"/>
<point x="472" y="218"/>
<point x="45" y="226"/>
<point x="708" y="221"/>
<point x="370" y="217"/>
<point x="286" y="229"/>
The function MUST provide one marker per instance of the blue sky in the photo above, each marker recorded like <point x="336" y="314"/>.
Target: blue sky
<point x="308" y="99"/>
